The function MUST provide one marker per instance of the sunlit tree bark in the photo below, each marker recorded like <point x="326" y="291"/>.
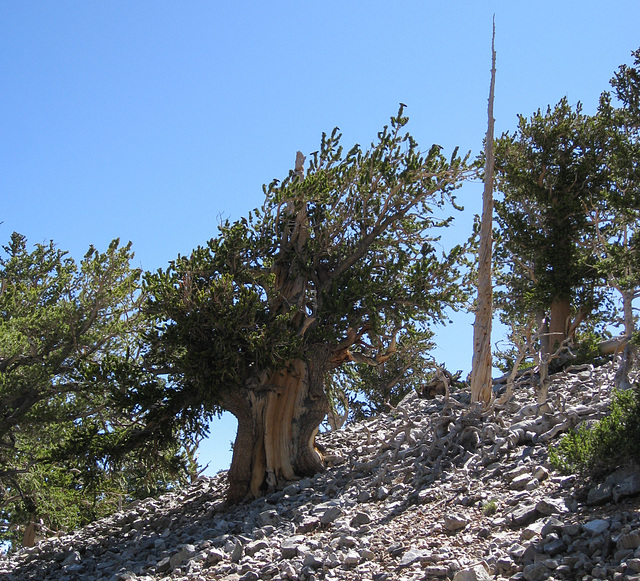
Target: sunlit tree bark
<point x="481" y="365"/>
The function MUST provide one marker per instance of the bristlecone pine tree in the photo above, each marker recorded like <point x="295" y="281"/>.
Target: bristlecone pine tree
<point x="550" y="170"/>
<point x="70" y="443"/>
<point x="335" y="269"/>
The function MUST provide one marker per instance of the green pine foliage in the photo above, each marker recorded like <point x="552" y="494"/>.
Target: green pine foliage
<point x="567" y="220"/>
<point x="549" y="171"/>
<point x="369" y="260"/>
<point x="71" y="445"/>
<point x="372" y="390"/>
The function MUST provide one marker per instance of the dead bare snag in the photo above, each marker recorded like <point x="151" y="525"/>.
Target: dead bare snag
<point x="481" y="364"/>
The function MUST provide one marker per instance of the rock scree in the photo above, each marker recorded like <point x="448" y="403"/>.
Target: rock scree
<point x="433" y="490"/>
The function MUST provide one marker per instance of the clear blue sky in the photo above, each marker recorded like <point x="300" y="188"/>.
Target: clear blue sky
<point x="149" y="120"/>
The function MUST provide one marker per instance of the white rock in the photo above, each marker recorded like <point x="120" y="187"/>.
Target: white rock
<point x="455" y="522"/>
<point x="214" y="556"/>
<point x="352" y="558"/>
<point x="477" y="573"/>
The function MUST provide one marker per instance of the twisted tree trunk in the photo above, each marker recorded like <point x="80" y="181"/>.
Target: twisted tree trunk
<point x="277" y="425"/>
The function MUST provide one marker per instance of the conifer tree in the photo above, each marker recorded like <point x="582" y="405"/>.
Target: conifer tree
<point x="70" y="445"/>
<point x="334" y="270"/>
<point x="550" y="170"/>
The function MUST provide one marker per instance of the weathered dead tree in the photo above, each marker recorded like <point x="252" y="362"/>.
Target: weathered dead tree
<point x="481" y="364"/>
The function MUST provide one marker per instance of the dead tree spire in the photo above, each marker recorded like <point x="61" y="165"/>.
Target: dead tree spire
<point x="482" y="364"/>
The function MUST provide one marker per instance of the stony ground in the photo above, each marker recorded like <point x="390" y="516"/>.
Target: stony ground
<point x="433" y="490"/>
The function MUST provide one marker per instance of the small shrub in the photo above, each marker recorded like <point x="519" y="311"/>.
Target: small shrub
<point x="587" y="348"/>
<point x="611" y="442"/>
<point x="489" y="508"/>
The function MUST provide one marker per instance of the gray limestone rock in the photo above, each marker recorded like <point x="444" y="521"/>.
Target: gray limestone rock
<point x="308" y="524"/>
<point x="571" y="529"/>
<point x="541" y="473"/>
<point x="163" y="565"/>
<point x="548" y="506"/>
<point x="552" y="525"/>
<point x="600" y="494"/>
<point x="517" y="472"/>
<point x="213" y="556"/>
<point x="332" y="560"/>
<point x="352" y="558"/>
<point x="477" y="573"/>
<point x="411" y="556"/>
<point x="367" y="554"/>
<point x="554" y="547"/>
<point x="312" y="560"/>
<point x="330" y="515"/>
<point x="505" y="564"/>
<point x="530" y="555"/>
<point x="396" y="549"/>
<point x="252" y="548"/>
<point x="269" y="517"/>
<point x="71" y="559"/>
<point x="520" y="482"/>
<point x="628" y="541"/>
<point x="431" y="571"/>
<point x="455" y="522"/>
<point x="360" y="518"/>
<point x="629" y="487"/>
<point x="414" y="490"/>
<point x="532" y="531"/>
<point x="183" y="555"/>
<point x="238" y="551"/>
<point x="289" y="547"/>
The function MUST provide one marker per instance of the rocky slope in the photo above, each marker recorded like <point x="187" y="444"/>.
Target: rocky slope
<point x="433" y="490"/>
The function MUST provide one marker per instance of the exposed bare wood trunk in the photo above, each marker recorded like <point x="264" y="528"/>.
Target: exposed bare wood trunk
<point x="627" y="310"/>
<point x="621" y="380"/>
<point x="276" y="431"/>
<point x="542" y="389"/>
<point x="279" y="416"/>
<point x="335" y="419"/>
<point x="612" y="346"/>
<point x="543" y="333"/>
<point x="524" y="342"/>
<point x="481" y="364"/>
